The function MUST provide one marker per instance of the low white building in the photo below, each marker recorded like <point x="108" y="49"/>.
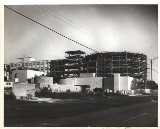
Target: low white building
<point x="24" y="75"/>
<point x="116" y="83"/>
<point x="23" y="90"/>
<point x="122" y="82"/>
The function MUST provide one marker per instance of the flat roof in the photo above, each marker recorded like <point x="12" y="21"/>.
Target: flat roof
<point x="75" y="52"/>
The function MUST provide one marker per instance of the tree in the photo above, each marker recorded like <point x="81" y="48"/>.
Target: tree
<point x="141" y="85"/>
<point x="151" y="85"/>
<point x="134" y="84"/>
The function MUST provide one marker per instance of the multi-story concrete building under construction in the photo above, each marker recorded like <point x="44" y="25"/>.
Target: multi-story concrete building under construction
<point x="72" y="66"/>
<point x="101" y="64"/>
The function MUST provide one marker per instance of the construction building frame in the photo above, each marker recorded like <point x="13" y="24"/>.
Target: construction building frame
<point x="103" y="64"/>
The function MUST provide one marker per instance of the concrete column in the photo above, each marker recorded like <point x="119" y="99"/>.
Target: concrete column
<point x="75" y="81"/>
<point x="35" y="64"/>
<point x="39" y="65"/>
<point x="10" y="66"/>
<point x="23" y="64"/>
<point x="43" y="66"/>
<point x="117" y="81"/>
<point x="16" y="66"/>
<point x="31" y="64"/>
<point x="27" y="64"/>
<point x="96" y="67"/>
<point x="47" y="67"/>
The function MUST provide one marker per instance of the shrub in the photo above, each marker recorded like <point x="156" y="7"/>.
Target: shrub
<point x="9" y="96"/>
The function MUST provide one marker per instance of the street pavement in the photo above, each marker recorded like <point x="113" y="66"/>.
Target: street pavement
<point x="138" y="115"/>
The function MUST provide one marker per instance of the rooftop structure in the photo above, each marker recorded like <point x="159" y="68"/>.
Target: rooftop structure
<point x="25" y="59"/>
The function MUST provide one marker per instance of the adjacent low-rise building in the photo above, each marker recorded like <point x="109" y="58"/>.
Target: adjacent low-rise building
<point x="25" y="76"/>
<point x="23" y="90"/>
<point x="32" y="64"/>
<point x="115" y="83"/>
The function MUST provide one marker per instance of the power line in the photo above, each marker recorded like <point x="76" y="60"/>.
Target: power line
<point x="36" y="47"/>
<point x="25" y="44"/>
<point x="26" y="39"/>
<point x="62" y="16"/>
<point x="50" y="29"/>
<point x="155" y="70"/>
<point x="65" y="22"/>
<point x="82" y="28"/>
<point x="90" y="35"/>
<point x="56" y="17"/>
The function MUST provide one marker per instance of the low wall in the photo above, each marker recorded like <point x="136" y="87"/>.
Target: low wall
<point x="84" y="75"/>
<point x="59" y="88"/>
<point x="93" y="82"/>
<point x="65" y="88"/>
<point x="23" y="89"/>
<point x="44" y="79"/>
<point x="155" y="92"/>
<point x="147" y="91"/>
<point x="67" y="81"/>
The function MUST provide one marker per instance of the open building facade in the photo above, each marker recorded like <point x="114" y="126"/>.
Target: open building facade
<point x="101" y="64"/>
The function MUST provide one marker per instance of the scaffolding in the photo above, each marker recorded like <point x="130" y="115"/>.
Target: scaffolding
<point x="72" y="66"/>
<point x="103" y="64"/>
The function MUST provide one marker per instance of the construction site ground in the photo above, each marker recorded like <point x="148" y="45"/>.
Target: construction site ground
<point x="22" y="113"/>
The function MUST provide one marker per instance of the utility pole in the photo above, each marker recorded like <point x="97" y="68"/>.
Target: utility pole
<point x="151" y="69"/>
<point x="151" y="66"/>
<point x="102" y="61"/>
